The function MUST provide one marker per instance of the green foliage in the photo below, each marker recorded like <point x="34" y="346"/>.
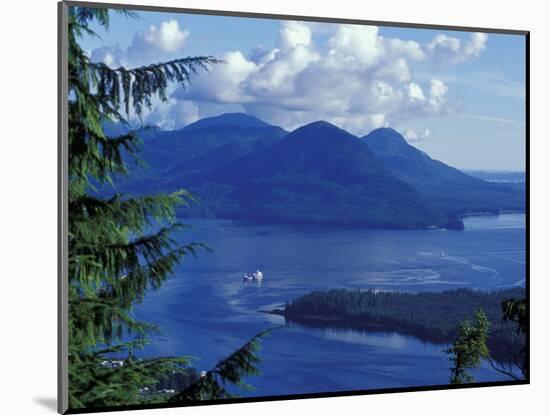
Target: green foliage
<point x="431" y="316"/>
<point x="515" y="311"/>
<point x="96" y="384"/>
<point x="498" y="333"/>
<point x="232" y="370"/>
<point x="469" y="348"/>
<point x="114" y="257"/>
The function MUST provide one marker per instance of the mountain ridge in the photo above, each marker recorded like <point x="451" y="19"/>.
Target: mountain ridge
<point x="230" y="118"/>
<point x="318" y="173"/>
<point x="446" y="187"/>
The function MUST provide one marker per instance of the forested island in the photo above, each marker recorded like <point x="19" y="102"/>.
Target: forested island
<point x="431" y="316"/>
<point x="129" y="185"/>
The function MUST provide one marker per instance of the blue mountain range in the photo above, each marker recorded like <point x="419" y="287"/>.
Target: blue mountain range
<point x="244" y="168"/>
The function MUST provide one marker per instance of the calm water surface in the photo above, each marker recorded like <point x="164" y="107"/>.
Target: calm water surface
<point x="207" y="311"/>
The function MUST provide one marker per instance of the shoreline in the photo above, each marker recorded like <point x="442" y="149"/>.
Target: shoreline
<point x="428" y="316"/>
<point x="355" y="226"/>
<point x="318" y="321"/>
<point x="421" y="333"/>
<point x="502" y="212"/>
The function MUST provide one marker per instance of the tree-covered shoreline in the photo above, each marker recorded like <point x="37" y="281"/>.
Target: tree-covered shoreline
<point x="430" y="316"/>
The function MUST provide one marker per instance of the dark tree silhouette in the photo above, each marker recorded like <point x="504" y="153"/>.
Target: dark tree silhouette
<point x="114" y="255"/>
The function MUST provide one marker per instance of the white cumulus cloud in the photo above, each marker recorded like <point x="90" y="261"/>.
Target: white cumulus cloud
<point x="357" y="43"/>
<point x="293" y="34"/>
<point x="415" y="93"/>
<point x="223" y="83"/>
<point x="413" y="136"/>
<point x="356" y="79"/>
<point x="446" y="50"/>
<point x="166" y="40"/>
<point x="176" y="115"/>
<point x="351" y="76"/>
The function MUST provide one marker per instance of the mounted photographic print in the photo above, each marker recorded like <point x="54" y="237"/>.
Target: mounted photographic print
<point x="263" y="207"/>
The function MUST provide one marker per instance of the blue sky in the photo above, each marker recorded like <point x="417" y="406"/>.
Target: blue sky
<point x="458" y="96"/>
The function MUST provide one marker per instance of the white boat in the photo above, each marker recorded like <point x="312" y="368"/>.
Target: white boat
<point x="248" y="277"/>
<point x="254" y="276"/>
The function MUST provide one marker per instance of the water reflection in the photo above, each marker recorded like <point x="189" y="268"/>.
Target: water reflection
<point x="207" y="311"/>
<point x="377" y="339"/>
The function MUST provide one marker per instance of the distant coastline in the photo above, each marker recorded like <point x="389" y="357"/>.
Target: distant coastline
<point x="489" y="213"/>
<point x="462" y="217"/>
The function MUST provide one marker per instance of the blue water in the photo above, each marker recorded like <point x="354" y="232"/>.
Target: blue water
<point x="207" y="311"/>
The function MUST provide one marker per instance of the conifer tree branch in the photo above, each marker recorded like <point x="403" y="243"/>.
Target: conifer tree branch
<point x="137" y="85"/>
<point x="114" y="256"/>
<point x="231" y="370"/>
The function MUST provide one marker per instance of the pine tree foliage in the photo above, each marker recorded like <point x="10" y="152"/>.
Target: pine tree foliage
<point x="515" y="310"/>
<point x="469" y="348"/>
<point x="114" y="257"/>
<point x="470" y="345"/>
<point x="213" y="384"/>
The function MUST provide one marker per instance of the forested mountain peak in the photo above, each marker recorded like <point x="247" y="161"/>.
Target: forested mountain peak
<point x="238" y="119"/>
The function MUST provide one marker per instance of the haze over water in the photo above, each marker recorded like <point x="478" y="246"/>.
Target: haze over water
<point x="207" y="311"/>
